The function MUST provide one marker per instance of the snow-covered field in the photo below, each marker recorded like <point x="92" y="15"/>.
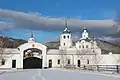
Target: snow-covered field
<point x="56" y="74"/>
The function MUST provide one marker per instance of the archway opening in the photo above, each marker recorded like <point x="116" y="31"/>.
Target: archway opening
<point x="32" y="63"/>
<point x="31" y="52"/>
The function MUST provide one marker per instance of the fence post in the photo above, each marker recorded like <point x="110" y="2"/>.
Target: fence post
<point x="117" y="69"/>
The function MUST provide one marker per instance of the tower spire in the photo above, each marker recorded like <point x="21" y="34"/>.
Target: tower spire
<point x="66" y="30"/>
<point x="66" y="26"/>
<point x="66" y="23"/>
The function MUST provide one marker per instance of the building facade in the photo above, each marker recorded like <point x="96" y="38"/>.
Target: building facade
<point x="36" y="55"/>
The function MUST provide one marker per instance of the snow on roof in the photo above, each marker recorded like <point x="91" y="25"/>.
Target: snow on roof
<point x="53" y="51"/>
<point x="11" y="50"/>
<point x="57" y="52"/>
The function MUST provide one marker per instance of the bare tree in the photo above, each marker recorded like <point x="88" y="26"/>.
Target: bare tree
<point x="117" y="21"/>
<point x="63" y="57"/>
<point x="97" y="59"/>
<point x="2" y="48"/>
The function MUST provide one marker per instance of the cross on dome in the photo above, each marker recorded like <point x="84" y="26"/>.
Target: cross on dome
<point x="31" y="35"/>
<point x="66" y="30"/>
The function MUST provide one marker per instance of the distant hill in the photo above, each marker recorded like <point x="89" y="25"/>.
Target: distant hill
<point x="105" y="46"/>
<point x="108" y="47"/>
<point x="11" y="42"/>
<point x="53" y="45"/>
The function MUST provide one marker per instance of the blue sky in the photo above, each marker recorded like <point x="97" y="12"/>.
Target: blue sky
<point x="86" y="9"/>
<point x="74" y="9"/>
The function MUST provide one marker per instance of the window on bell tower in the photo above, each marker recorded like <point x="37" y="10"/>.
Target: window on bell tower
<point x="64" y="44"/>
<point x="68" y="37"/>
<point x="64" y="37"/>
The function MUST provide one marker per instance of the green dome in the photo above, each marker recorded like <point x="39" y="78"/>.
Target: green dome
<point x="85" y="29"/>
<point x="66" y="31"/>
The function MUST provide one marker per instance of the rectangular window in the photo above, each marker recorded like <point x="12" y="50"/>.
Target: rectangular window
<point x="79" y="63"/>
<point x="58" y="61"/>
<point x="3" y="61"/>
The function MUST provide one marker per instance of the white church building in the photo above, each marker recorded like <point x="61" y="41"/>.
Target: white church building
<point x="36" y="55"/>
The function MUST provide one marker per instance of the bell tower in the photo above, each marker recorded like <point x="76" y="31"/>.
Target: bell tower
<point x="66" y="37"/>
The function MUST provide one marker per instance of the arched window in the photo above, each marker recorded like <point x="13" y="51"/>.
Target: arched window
<point x="3" y="61"/>
<point x="58" y="61"/>
<point x="19" y="49"/>
<point x="83" y="46"/>
<point x="86" y="46"/>
<point x="64" y="37"/>
<point x="64" y="44"/>
<point x="88" y="61"/>
<point x="79" y="46"/>
<point x="68" y="37"/>
<point x="68" y="61"/>
<point x="84" y="35"/>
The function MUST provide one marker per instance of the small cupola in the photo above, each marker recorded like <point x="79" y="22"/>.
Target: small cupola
<point x="85" y="34"/>
<point x="31" y="39"/>
<point x="85" y="29"/>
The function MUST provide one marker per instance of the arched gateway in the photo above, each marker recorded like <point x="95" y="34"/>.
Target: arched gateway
<point x="32" y="62"/>
<point x="31" y="58"/>
<point x="33" y="54"/>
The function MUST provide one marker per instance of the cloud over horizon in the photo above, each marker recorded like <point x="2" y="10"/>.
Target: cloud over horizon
<point x="36" y="21"/>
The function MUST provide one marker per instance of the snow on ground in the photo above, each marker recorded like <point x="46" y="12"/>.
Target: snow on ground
<point x="56" y="74"/>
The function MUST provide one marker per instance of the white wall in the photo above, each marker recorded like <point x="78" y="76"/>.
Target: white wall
<point x="8" y="61"/>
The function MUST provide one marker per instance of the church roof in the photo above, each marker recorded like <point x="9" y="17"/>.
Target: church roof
<point x="87" y="39"/>
<point x="11" y="51"/>
<point x="53" y="51"/>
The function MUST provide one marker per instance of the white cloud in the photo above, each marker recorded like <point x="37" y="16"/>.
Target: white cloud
<point x="38" y="22"/>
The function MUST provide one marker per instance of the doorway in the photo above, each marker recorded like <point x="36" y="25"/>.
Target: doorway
<point x="50" y="63"/>
<point x="79" y="63"/>
<point x="13" y="63"/>
<point x="32" y="63"/>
